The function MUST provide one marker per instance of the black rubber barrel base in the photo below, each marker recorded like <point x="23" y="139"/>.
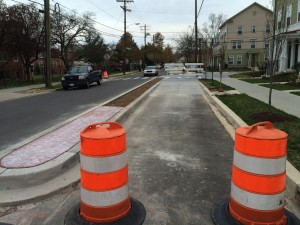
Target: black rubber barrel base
<point x="136" y="216"/>
<point x="220" y="215"/>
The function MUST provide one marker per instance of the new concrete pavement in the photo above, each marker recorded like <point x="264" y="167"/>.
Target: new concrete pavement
<point x="179" y="153"/>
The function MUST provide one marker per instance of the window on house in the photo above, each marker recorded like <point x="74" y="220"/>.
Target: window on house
<point x="40" y="63"/>
<point x="268" y="28"/>
<point x="298" y="10"/>
<point x="288" y="15"/>
<point x="252" y="43"/>
<point x="41" y="55"/>
<point x="239" y="59"/>
<point x="236" y="44"/>
<point x="230" y="60"/>
<point x="240" y="30"/>
<point x="279" y="20"/>
<point x="253" y="29"/>
<point x="267" y="44"/>
<point x="288" y="21"/>
<point x="266" y="57"/>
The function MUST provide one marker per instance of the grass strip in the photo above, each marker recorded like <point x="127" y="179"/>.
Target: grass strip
<point x="283" y="87"/>
<point x="253" y="111"/>
<point x="214" y="85"/>
<point x="295" y="93"/>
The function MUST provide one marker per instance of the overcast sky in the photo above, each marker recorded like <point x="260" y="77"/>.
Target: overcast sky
<point x="170" y="17"/>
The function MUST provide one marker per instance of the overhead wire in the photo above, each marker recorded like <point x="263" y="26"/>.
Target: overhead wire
<point x="136" y="12"/>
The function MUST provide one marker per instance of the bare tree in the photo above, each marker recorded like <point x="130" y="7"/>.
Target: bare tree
<point x="210" y="32"/>
<point x="211" y="28"/>
<point x="186" y="45"/>
<point x="67" y="31"/>
<point x="279" y="27"/>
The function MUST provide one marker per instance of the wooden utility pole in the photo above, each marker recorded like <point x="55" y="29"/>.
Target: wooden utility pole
<point x="48" y="46"/>
<point x="125" y="32"/>
<point x="145" y="28"/>
<point x="196" y="32"/>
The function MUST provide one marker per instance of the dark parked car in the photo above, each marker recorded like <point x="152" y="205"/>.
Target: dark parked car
<point x="81" y="76"/>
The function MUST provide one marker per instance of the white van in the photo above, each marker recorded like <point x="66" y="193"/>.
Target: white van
<point x="195" y="67"/>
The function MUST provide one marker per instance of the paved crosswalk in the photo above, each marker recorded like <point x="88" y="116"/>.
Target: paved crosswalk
<point x="177" y="76"/>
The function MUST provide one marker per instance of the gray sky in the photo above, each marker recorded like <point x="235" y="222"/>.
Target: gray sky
<point x="170" y="17"/>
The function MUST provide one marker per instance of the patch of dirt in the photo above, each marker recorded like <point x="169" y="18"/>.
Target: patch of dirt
<point x="34" y="91"/>
<point x="267" y="116"/>
<point x="126" y="99"/>
<point x="208" y="86"/>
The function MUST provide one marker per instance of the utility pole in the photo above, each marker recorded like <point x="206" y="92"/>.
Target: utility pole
<point x="196" y="32"/>
<point x="48" y="47"/>
<point x="125" y="32"/>
<point x="145" y="28"/>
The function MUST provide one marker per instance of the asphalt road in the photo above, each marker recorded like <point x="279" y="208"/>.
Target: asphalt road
<point x="179" y="158"/>
<point x="22" y="118"/>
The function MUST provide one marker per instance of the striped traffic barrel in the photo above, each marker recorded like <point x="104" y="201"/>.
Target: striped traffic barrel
<point x="258" y="179"/>
<point x="104" y="189"/>
<point x="258" y="175"/>
<point x="104" y="173"/>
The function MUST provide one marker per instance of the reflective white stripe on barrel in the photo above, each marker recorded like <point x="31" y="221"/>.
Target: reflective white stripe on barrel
<point x="265" y="166"/>
<point x="257" y="201"/>
<point x="106" y="198"/>
<point x="103" y="164"/>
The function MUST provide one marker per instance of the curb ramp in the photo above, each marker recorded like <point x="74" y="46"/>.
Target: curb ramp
<point x="25" y="185"/>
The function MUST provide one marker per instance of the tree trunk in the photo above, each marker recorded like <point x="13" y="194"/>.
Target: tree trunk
<point x="27" y="72"/>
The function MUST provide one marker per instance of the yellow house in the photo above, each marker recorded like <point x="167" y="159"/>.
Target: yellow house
<point x="241" y="42"/>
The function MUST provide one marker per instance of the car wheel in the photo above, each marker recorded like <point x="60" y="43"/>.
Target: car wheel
<point x="65" y="87"/>
<point x="99" y="82"/>
<point x="87" y="84"/>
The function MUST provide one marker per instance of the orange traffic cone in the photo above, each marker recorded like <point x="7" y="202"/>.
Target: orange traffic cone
<point x="105" y="74"/>
<point x="258" y="179"/>
<point x="104" y="179"/>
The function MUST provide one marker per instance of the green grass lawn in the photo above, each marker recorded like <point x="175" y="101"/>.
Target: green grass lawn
<point x="245" y="107"/>
<point x="283" y="87"/>
<point x="239" y="76"/>
<point x="35" y="80"/>
<point x="295" y="93"/>
<point x="215" y="84"/>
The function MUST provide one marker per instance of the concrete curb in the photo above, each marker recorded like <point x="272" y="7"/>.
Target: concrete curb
<point x="293" y="175"/>
<point x="24" y="185"/>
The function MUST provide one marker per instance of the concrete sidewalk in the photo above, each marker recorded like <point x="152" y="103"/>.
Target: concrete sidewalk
<point x="282" y="100"/>
<point x="24" y="91"/>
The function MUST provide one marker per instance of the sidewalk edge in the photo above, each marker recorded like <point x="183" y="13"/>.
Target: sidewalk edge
<point x="71" y="159"/>
<point x="293" y="175"/>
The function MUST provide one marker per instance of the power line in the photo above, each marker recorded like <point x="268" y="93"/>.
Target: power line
<point x="200" y="9"/>
<point x="90" y="18"/>
<point x="92" y="3"/>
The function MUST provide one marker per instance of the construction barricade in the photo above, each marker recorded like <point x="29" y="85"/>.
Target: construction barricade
<point x="105" y="74"/>
<point x="104" y="191"/>
<point x="258" y="179"/>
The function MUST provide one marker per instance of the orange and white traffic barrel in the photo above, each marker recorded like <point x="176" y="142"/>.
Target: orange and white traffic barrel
<point x="105" y="74"/>
<point x="104" y="191"/>
<point x="258" y="179"/>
